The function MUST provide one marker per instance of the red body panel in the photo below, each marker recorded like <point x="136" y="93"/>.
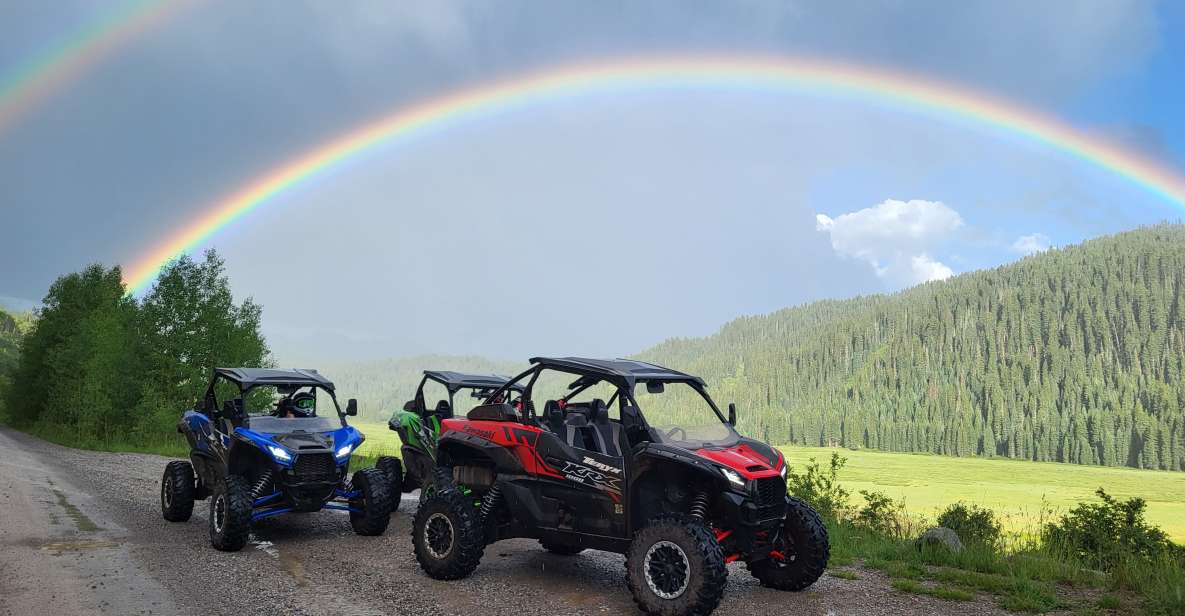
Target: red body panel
<point x="520" y="439"/>
<point x="744" y="460"/>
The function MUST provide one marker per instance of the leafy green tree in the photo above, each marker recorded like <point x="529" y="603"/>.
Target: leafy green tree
<point x="189" y="324"/>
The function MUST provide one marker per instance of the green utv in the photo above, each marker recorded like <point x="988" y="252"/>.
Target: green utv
<point x="418" y="425"/>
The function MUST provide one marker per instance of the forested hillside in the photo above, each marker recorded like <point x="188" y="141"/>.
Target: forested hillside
<point x="1073" y="355"/>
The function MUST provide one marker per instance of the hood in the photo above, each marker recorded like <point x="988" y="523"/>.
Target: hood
<point x="752" y="459"/>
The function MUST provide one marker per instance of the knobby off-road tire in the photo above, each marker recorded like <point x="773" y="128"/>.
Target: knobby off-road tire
<point x="230" y="513"/>
<point x="374" y="502"/>
<point x="442" y="477"/>
<point x="392" y="467"/>
<point x="674" y="566"/>
<point x="447" y="535"/>
<point x="177" y="491"/>
<point x="562" y="549"/>
<point x="804" y="544"/>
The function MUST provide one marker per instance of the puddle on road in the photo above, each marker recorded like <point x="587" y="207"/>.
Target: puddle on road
<point x="83" y="523"/>
<point x="288" y="563"/>
<point x="58" y="547"/>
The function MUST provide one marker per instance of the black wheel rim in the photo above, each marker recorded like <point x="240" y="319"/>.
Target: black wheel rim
<point x="438" y="535"/>
<point x="166" y="493"/>
<point x="667" y="570"/>
<point x="219" y="517"/>
<point x="782" y="551"/>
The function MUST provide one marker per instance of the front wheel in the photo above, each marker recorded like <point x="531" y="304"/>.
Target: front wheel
<point x="442" y="477"/>
<point x="800" y="551"/>
<point x="177" y="491"/>
<point x="370" y="511"/>
<point x="230" y="514"/>
<point x="447" y="535"/>
<point x="674" y="565"/>
<point x="392" y="467"/>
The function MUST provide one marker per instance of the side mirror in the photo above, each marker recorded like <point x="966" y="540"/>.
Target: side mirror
<point x="732" y="413"/>
<point x="352" y="407"/>
<point x="410" y="406"/>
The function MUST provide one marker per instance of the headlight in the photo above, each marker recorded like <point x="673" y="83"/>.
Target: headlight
<point x="733" y="477"/>
<point x="344" y="451"/>
<point x="279" y="453"/>
<point x="785" y="471"/>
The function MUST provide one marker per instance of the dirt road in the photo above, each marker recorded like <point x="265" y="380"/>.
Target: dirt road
<point x="81" y="533"/>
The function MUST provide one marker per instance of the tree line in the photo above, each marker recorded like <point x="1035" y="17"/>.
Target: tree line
<point x="98" y="367"/>
<point x="1074" y="355"/>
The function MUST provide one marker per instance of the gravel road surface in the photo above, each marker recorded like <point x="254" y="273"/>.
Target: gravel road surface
<point x="81" y="533"/>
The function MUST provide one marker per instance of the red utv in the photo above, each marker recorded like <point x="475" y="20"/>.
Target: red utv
<point x="676" y="489"/>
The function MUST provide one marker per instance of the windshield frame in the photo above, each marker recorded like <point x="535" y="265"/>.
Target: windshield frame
<point x="732" y="438"/>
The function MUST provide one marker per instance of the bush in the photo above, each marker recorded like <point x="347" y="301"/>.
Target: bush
<point x="1103" y="535"/>
<point x="820" y="487"/>
<point x="883" y="514"/>
<point x="974" y="525"/>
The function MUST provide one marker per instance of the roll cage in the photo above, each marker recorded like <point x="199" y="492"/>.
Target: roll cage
<point x="623" y="374"/>
<point x="483" y="385"/>
<point x="246" y="380"/>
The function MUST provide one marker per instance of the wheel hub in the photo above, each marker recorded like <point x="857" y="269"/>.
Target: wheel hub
<point x="166" y="493"/>
<point x="439" y="534"/>
<point x="667" y="570"/>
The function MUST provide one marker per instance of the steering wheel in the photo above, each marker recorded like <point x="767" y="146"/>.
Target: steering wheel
<point x="672" y="431"/>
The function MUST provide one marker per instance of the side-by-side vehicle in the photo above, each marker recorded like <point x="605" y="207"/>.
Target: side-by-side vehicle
<point x="418" y="424"/>
<point x="259" y="448"/>
<point x="632" y="458"/>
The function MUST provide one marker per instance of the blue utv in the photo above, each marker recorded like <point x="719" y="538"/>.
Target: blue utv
<point x="258" y="448"/>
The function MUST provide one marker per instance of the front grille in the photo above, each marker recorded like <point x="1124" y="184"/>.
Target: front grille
<point x="769" y="491"/>
<point x="769" y="496"/>
<point x="315" y="467"/>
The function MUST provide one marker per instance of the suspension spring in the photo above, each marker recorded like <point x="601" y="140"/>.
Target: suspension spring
<point x="491" y="500"/>
<point x="699" y="505"/>
<point x="261" y="484"/>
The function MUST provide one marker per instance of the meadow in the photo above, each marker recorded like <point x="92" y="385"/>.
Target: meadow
<point x="1024" y="494"/>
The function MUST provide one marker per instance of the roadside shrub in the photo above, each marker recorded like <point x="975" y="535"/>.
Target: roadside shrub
<point x="820" y="487"/>
<point x="1103" y="535"/>
<point x="974" y="525"/>
<point x="882" y="514"/>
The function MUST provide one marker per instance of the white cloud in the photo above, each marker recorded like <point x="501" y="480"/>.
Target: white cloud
<point x="895" y="238"/>
<point x="1032" y="244"/>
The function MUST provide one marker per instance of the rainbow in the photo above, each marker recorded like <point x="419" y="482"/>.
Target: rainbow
<point x="729" y="72"/>
<point x="49" y="71"/>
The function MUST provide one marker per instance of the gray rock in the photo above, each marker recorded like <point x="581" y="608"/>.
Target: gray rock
<point x="940" y="535"/>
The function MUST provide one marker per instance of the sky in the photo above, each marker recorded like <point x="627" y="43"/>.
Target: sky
<point x="597" y="224"/>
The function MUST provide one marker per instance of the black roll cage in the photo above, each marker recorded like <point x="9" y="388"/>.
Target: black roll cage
<point x="589" y="377"/>
<point x="209" y="402"/>
<point x="454" y="382"/>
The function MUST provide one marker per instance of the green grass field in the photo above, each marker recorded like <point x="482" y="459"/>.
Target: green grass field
<point x="1020" y="492"/>
<point x="1017" y="490"/>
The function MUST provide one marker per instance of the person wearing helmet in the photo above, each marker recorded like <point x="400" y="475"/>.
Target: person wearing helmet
<point x="303" y="404"/>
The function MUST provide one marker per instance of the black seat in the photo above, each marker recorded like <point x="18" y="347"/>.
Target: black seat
<point x="609" y="431"/>
<point x="579" y="432"/>
<point x="443" y="410"/>
<point x="232" y="415"/>
<point x="554" y="416"/>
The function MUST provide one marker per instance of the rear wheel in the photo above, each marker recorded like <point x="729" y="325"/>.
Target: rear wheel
<point x="230" y="514"/>
<point x="392" y="467"/>
<point x="447" y="535"/>
<point x="800" y="552"/>
<point x="675" y="566"/>
<point x="177" y="489"/>
<point x="373" y="504"/>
